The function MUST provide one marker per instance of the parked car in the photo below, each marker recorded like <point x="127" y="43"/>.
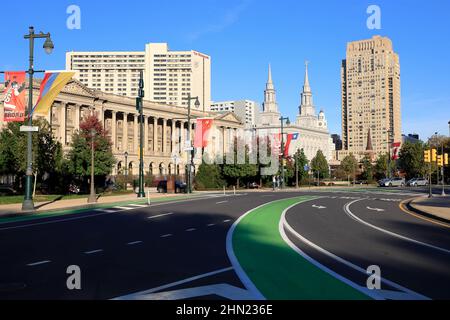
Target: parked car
<point x="253" y="185"/>
<point x="417" y="182"/>
<point x="180" y="187"/>
<point x="393" y="182"/>
<point x="7" y="191"/>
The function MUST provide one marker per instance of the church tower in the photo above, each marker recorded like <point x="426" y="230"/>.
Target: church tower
<point x="270" y="114"/>
<point x="307" y="106"/>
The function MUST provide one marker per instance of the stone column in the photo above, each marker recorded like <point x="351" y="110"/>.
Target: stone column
<point x="125" y="132"/>
<point x="63" y="124"/>
<point x="146" y="134"/>
<point x="77" y="117"/>
<point x="155" y="135"/>
<point x="183" y="136"/>
<point x="136" y="134"/>
<point x="114" y="130"/>
<point x="173" y="137"/>
<point x="164" y="140"/>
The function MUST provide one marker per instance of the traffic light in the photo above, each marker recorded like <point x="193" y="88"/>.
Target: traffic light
<point x="440" y="160"/>
<point x="427" y="156"/>
<point x="446" y="159"/>
<point x="433" y="155"/>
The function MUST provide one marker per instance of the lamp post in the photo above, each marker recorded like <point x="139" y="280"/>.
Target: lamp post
<point x="92" y="197"/>
<point x="283" y="175"/>
<point x="140" y="108"/>
<point x="189" y="148"/>
<point x="28" y="204"/>
<point x="126" y="170"/>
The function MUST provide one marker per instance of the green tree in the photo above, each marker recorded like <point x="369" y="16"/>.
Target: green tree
<point x="209" y="176"/>
<point x="349" y="166"/>
<point x="237" y="172"/>
<point x="368" y="170"/>
<point x="320" y="165"/>
<point x="79" y="156"/>
<point x="47" y="153"/>
<point x="411" y="160"/>
<point x="301" y="161"/>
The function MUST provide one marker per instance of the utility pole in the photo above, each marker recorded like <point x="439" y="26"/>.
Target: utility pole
<point x="189" y="146"/>
<point x="283" y="174"/>
<point x="140" y="108"/>
<point x="92" y="196"/>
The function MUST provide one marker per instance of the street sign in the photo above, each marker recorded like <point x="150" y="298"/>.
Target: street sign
<point x="29" y="129"/>
<point x="189" y="149"/>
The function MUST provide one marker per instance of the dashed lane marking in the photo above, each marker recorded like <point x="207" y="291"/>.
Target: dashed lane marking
<point x="161" y="215"/>
<point x="191" y="230"/>
<point x="134" y="243"/>
<point x="167" y="235"/>
<point x="94" y="251"/>
<point x="35" y="264"/>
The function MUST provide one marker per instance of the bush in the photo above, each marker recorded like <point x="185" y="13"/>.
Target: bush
<point x="209" y="176"/>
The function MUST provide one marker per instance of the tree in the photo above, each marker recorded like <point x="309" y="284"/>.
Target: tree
<point x="79" y="157"/>
<point x="47" y="153"/>
<point x="367" y="166"/>
<point x="349" y="165"/>
<point x="320" y="165"/>
<point x="301" y="161"/>
<point x="383" y="166"/>
<point x="209" y="176"/>
<point x="411" y="160"/>
<point x="240" y="171"/>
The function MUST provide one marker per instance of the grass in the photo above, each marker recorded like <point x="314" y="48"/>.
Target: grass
<point x="49" y="198"/>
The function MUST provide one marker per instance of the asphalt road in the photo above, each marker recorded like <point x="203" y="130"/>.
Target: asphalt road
<point x="136" y="249"/>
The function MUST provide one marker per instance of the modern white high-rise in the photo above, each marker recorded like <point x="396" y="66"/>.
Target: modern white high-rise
<point x="246" y="110"/>
<point x="169" y="75"/>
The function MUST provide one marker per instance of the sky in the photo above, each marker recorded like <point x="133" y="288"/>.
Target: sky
<point x="244" y="36"/>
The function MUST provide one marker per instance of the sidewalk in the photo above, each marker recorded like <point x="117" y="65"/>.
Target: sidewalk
<point x="74" y="204"/>
<point x="437" y="207"/>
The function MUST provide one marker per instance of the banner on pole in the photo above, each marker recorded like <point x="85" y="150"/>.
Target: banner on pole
<point x="201" y="132"/>
<point x="396" y="150"/>
<point x="14" y="96"/>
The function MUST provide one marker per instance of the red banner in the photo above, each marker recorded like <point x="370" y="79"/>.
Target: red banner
<point x="396" y="150"/>
<point x="201" y="132"/>
<point x="14" y="96"/>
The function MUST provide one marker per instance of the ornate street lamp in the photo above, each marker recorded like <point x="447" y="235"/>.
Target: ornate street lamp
<point x="283" y="174"/>
<point x="190" y="149"/>
<point x="28" y="204"/>
<point x="93" y="196"/>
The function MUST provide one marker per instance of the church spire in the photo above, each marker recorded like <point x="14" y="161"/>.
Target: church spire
<point x="369" y="141"/>
<point x="306" y="86"/>
<point x="270" y="100"/>
<point x="269" y="84"/>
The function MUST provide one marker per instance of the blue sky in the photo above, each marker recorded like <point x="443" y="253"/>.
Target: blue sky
<point x="244" y="36"/>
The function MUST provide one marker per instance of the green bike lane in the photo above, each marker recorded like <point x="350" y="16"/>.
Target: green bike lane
<point x="265" y="262"/>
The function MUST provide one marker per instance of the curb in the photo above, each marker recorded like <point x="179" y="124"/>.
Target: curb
<point x="409" y="205"/>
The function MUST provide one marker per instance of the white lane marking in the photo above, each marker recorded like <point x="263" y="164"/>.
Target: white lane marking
<point x="226" y="221"/>
<point x="34" y="264"/>
<point x="319" y="207"/>
<point x="221" y="202"/>
<point x="93" y="251"/>
<point x="123" y="208"/>
<point x="371" y="293"/>
<point x="354" y="217"/>
<point x="222" y="290"/>
<point x="106" y="210"/>
<point x="99" y="214"/>
<point x="137" y="295"/>
<point x="161" y="215"/>
<point x="138" y="205"/>
<point x="191" y="230"/>
<point x="167" y="235"/>
<point x="211" y="225"/>
<point x="375" y="209"/>
<point x="234" y="261"/>
<point x="134" y="243"/>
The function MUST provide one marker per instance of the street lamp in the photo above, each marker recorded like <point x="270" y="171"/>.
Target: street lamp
<point x="93" y="196"/>
<point x="126" y="170"/>
<point x="282" y="119"/>
<point x="190" y="149"/>
<point x="28" y="204"/>
<point x="140" y="108"/>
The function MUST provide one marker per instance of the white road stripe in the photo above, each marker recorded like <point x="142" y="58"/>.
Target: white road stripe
<point x="191" y="230"/>
<point x="138" y="205"/>
<point x="221" y="202"/>
<point x="106" y="210"/>
<point x="93" y="251"/>
<point x="226" y="221"/>
<point x="134" y="243"/>
<point x="211" y="225"/>
<point x="167" y="235"/>
<point x="34" y="264"/>
<point x="161" y="215"/>
<point x="123" y="208"/>
<point x="354" y="217"/>
<point x="137" y="295"/>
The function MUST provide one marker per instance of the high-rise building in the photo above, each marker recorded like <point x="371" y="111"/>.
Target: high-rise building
<point x="371" y="97"/>
<point x="247" y="110"/>
<point x="169" y="75"/>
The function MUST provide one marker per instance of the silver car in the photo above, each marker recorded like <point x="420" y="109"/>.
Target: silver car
<point x="394" y="182"/>
<point x="417" y="182"/>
